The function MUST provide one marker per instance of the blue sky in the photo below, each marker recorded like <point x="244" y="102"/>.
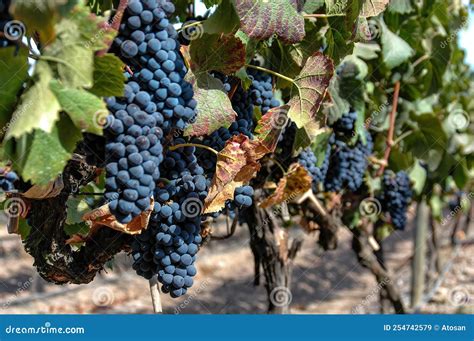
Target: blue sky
<point x="466" y="39"/>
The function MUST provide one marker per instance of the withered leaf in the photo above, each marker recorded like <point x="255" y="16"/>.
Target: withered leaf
<point x="311" y="84"/>
<point x="271" y="125"/>
<point x="103" y="217"/>
<point x="296" y="182"/>
<point x="237" y="164"/>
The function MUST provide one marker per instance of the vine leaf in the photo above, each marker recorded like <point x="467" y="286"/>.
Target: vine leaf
<point x="46" y="157"/>
<point x="14" y="72"/>
<point x="312" y="84"/>
<point x="39" y="16"/>
<point x="366" y="8"/>
<point x="223" y="20"/>
<point x="214" y="107"/>
<point x="372" y="8"/>
<point x="84" y="108"/>
<point x="296" y="182"/>
<point x="237" y="164"/>
<point x="261" y="19"/>
<point x="270" y="127"/>
<point x="38" y="108"/>
<point x="222" y="53"/>
<point x="395" y="50"/>
<point x="108" y="76"/>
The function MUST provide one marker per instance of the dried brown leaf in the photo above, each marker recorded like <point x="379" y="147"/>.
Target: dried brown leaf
<point x="237" y="164"/>
<point x="50" y="190"/>
<point x="103" y="217"/>
<point x="296" y="182"/>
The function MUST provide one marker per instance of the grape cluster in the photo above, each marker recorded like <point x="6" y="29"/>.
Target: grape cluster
<point x="157" y="100"/>
<point x="147" y="42"/>
<point x="345" y="126"/>
<point x="169" y="245"/>
<point x="7" y="180"/>
<point x="309" y="161"/>
<point x="133" y="151"/>
<point x="261" y="91"/>
<point x="347" y="164"/>
<point x="396" y="196"/>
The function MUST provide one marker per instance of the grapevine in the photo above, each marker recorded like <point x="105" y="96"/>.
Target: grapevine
<point x="141" y="127"/>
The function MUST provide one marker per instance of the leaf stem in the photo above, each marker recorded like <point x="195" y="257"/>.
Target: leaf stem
<point x="324" y="15"/>
<point x="270" y="72"/>
<point x="182" y="145"/>
<point x="184" y="27"/>
<point x="391" y="129"/>
<point x="402" y="136"/>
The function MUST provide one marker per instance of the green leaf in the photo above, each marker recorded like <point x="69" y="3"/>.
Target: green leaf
<point x="38" y="16"/>
<point x="85" y="109"/>
<point x="214" y="108"/>
<point x="13" y="73"/>
<point x="78" y="228"/>
<point x="38" y="108"/>
<point x="461" y="176"/>
<point x="223" y="53"/>
<point x="338" y="40"/>
<point x="319" y="146"/>
<point x="400" y="6"/>
<point x="436" y="205"/>
<point x="223" y="20"/>
<point x="108" y="76"/>
<point x="261" y="19"/>
<point x="46" y="157"/>
<point x="366" y="51"/>
<point x="76" y="68"/>
<point x="418" y="178"/>
<point x="311" y="6"/>
<point x="394" y="49"/>
<point x="311" y="85"/>
<point x="76" y="208"/>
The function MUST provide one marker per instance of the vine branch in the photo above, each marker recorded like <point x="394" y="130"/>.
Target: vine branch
<point x="116" y="20"/>
<point x="391" y="129"/>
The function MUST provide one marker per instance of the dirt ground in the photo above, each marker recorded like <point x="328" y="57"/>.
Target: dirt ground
<point x="323" y="282"/>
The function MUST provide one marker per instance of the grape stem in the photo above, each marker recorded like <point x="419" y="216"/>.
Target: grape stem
<point x="182" y="145"/>
<point x="391" y="129"/>
<point x="270" y="72"/>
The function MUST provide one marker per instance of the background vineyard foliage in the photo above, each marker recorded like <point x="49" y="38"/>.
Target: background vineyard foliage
<point x="51" y="95"/>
